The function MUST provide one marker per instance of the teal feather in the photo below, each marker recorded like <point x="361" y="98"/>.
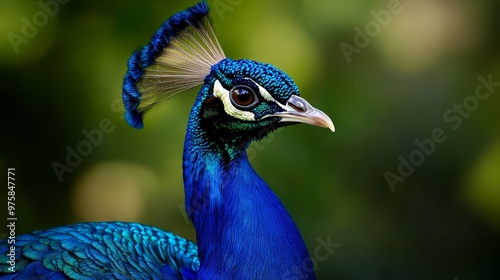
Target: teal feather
<point x="242" y="228"/>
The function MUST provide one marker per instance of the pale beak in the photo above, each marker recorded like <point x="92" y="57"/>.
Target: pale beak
<point x="299" y="110"/>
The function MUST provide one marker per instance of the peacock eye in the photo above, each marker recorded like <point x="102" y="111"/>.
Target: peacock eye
<point x="243" y="97"/>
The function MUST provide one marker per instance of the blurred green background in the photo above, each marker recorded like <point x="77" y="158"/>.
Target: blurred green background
<point x="399" y="84"/>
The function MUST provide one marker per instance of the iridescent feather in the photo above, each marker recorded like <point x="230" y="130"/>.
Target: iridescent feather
<point x="243" y="231"/>
<point x="99" y="251"/>
<point x="179" y="57"/>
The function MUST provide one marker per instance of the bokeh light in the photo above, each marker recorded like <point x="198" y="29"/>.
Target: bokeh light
<point x="439" y="221"/>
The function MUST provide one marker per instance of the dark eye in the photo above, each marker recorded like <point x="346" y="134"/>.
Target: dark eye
<point x="243" y="97"/>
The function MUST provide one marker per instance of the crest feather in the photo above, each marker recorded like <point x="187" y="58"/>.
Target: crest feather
<point x="179" y="57"/>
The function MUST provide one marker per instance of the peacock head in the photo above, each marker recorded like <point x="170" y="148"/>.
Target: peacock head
<point x="239" y="99"/>
<point x="253" y="99"/>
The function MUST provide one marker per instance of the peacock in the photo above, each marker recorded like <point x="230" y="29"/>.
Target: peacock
<point x="243" y="231"/>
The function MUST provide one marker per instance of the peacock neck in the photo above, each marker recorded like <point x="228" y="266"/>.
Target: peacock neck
<point x="243" y="231"/>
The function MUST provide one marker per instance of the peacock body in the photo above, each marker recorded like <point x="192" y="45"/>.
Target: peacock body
<point x="243" y="231"/>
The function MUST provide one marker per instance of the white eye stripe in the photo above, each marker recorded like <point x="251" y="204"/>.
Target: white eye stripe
<point x="223" y="94"/>
<point x="266" y="95"/>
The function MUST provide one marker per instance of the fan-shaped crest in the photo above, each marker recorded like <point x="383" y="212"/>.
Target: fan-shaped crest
<point x="179" y="57"/>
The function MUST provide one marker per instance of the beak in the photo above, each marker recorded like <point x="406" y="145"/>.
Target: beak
<point x="299" y="110"/>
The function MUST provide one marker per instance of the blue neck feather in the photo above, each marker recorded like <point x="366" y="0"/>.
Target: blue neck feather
<point x="243" y="230"/>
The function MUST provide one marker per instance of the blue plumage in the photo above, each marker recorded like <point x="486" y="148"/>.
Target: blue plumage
<point x="100" y="251"/>
<point x="146" y="56"/>
<point x="266" y="75"/>
<point x="243" y="231"/>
